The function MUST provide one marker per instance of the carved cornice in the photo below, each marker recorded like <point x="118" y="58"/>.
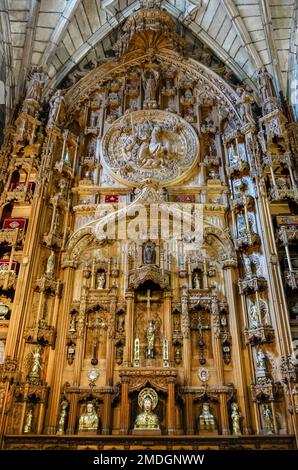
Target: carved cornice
<point x="50" y="285"/>
<point x="25" y="391"/>
<point x="267" y="391"/>
<point x="138" y="378"/>
<point x="8" y="279"/>
<point x="252" y="284"/>
<point x="12" y="236"/>
<point x="40" y="333"/>
<point x="148" y="272"/>
<point x="262" y="334"/>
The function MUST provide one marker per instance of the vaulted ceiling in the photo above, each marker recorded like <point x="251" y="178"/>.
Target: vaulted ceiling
<point x="64" y="35"/>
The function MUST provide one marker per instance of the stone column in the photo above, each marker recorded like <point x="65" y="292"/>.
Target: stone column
<point x="171" y="406"/>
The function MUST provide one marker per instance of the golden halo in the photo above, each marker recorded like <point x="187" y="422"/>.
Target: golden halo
<point x="148" y="392"/>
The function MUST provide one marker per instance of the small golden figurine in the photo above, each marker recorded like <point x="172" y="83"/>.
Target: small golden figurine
<point x="62" y="417"/>
<point x="236" y="416"/>
<point x="89" y="421"/>
<point x="36" y="365"/>
<point x="147" y="401"/>
<point x="268" y="419"/>
<point x="28" y="421"/>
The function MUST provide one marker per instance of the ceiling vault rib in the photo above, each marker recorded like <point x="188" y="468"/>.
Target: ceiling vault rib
<point x="241" y="30"/>
<point x="60" y="30"/>
<point x="28" y="47"/>
<point x="272" y="53"/>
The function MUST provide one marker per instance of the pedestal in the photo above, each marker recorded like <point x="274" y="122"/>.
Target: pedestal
<point x="146" y="432"/>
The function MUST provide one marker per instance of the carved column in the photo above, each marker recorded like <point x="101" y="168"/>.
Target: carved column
<point x="72" y="414"/>
<point x="168" y="333"/>
<point x="186" y="336"/>
<point x="124" y="407"/>
<point x="59" y="362"/>
<point x="171" y="406"/>
<point x="241" y="385"/>
<point x="129" y="339"/>
<point x="189" y="417"/>
<point x="224" y="413"/>
<point x="110" y="337"/>
<point x="216" y="342"/>
<point x="107" y="411"/>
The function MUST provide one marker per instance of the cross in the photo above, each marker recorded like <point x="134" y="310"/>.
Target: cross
<point x="148" y="299"/>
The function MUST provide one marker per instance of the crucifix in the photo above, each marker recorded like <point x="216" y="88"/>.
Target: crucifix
<point x="150" y="331"/>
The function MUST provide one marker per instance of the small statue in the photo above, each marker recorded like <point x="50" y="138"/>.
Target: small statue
<point x="72" y="325"/>
<point x="261" y="360"/>
<point x="36" y="365"/>
<point x="28" y="421"/>
<point x="265" y="84"/>
<point x="236" y="416"/>
<point x="149" y="253"/>
<point x="206" y="419"/>
<point x="245" y="106"/>
<point x="101" y="280"/>
<point x="268" y="419"/>
<point x="89" y="421"/>
<point x="51" y="265"/>
<point x="147" y="401"/>
<point x="196" y="280"/>
<point x="254" y="318"/>
<point x="35" y="85"/>
<point x="150" y="84"/>
<point x="150" y="340"/>
<point x="56" y="104"/>
<point x="62" y="417"/>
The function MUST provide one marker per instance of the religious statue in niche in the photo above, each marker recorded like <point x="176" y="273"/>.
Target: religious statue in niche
<point x="50" y="268"/>
<point x="268" y="419"/>
<point x="147" y="401"/>
<point x="245" y="103"/>
<point x="254" y="317"/>
<point x="62" y="417"/>
<point x="101" y="280"/>
<point x="28" y="421"/>
<point x="206" y="419"/>
<point x="236" y="417"/>
<point x="56" y="106"/>
<point x="150" y="334"/>
<point x="89" y="420"/>
<point x="265" y="84"/>
<point x="36" y="363"/>
<point x="197" y="279"/>
<point x="150" y="79"/>
<point x="149" y="255"/>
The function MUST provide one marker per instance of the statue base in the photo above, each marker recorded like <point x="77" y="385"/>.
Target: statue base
<point x="146" y="432"/>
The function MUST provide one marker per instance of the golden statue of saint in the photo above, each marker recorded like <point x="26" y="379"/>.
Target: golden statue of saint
<point x="89" y="420"/>
<point x="236" y="416"/>
<point x="147" y="401"/>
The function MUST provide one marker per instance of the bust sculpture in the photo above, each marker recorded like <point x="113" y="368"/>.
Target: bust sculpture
<point x="206" y="419"/>
<point x="147" y="401"/>
<point x="89" y="420"/>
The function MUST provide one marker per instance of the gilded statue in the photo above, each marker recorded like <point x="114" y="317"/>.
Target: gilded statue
<point x="62" y="417"/>
<point x="150" y="340"/>
<point x="235" y="416"/>
<point x="28" y="421"/>
<point x="206" y="419"/>
<point x="147" y="401"/>
<point x="89" y="420"/>
<point x="268" y="419"/>
<point x="36" y="364"/>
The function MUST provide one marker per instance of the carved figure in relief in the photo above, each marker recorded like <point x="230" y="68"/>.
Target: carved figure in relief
<point x="206" y="419"/>
<point x="89" y="420"/>
<point x="235" y="416"/>
<point x="147" y="401"/>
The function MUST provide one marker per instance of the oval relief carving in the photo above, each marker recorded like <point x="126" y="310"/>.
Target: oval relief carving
<point x="150" y="144"/>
